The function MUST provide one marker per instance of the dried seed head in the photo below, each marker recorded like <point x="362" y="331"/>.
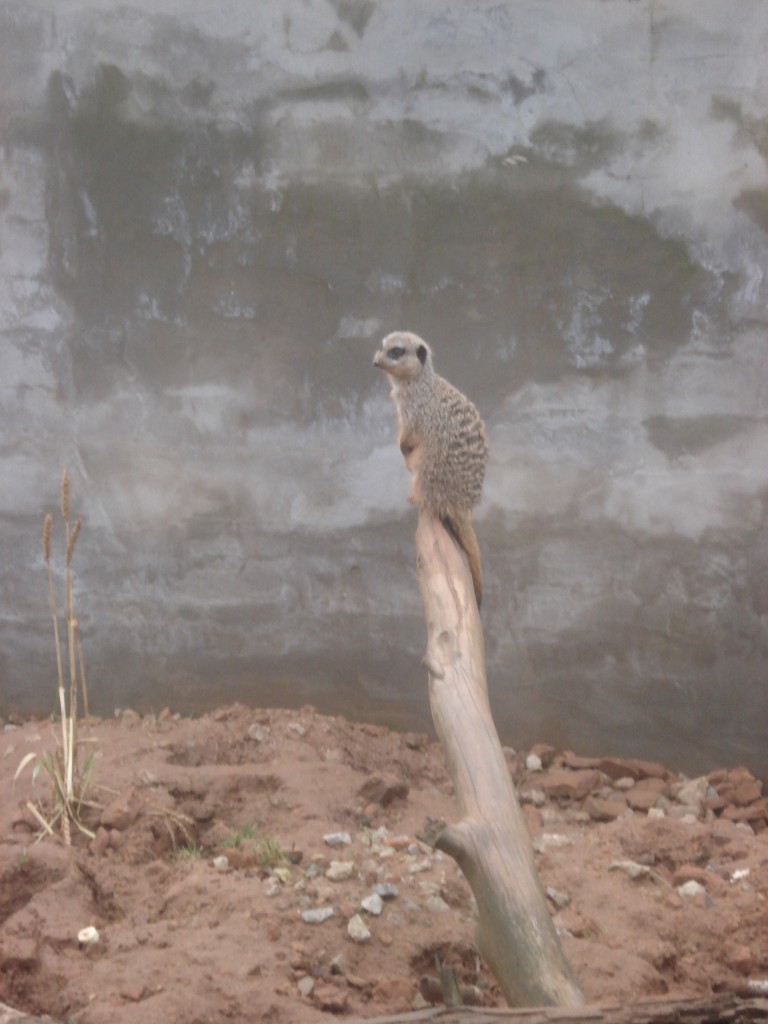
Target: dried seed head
<point x="73" y="539"/>
<point x="65" y="495"/>
<point x="47" y="537"/>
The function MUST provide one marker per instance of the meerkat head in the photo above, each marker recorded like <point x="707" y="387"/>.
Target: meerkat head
<point x="403" y="356"/>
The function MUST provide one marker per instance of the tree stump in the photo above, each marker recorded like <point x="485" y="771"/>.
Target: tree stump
<point x="491" y="843"/>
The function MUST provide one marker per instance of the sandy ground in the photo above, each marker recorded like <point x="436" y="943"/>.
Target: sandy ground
<point x="215" y="836"/>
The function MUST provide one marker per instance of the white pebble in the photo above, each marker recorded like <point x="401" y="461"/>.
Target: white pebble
<point x="691" y="888"/>
<point x="373" y="904"/>
<point x="631" y="868"/>
<point x="419" y="866"/>
<point x="549" y="839"/>
<point x="337" y="839"/>
<point x="533" y="763"/>
<point x="357" y="930"/>
<point x="305" y="986"/>
<point x="340" y="870"/>
<point x="317" y="915"/>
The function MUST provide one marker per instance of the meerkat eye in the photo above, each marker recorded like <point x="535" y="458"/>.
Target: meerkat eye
<point x="396" y="352"/>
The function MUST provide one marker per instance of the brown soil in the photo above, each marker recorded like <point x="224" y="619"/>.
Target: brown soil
<point x="187" y="937"/>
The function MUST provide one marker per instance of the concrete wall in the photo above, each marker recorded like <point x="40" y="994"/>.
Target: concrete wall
<point x="211" y="213"/>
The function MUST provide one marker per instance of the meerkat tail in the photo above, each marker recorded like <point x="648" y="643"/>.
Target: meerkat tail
<point x="461" y="528"/>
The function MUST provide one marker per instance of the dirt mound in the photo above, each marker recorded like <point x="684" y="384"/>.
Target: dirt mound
<point x="265" y="866"/>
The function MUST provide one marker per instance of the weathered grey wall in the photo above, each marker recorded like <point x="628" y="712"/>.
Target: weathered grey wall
<point x="209" y="215"/>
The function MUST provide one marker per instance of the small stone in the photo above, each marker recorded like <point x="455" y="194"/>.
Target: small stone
<point x="88" y="936"/>
<point x="545" y="753"/>
<point x="357" y="930"/>
<point x="399" y="842"/>
<point x="419" y="866"/>
<point x="373" y="904"/>
<point x="386" y="890"/>
<point x="340" y="870"/>
<point x="692" y="872"/>
<point x="221" y="863"/>
<point x="305" y="986"/>
<point x="560" y="899"/>
<point x="645" y="794"/>
<point x="549" y="840"/>
<point x="297" y="728"/>
<point x="316" y="915"/>
<point x="691" y="888"/>
<point x="571" y="760"/>
<point x="616" y="767"/>
<point x="330" y="998"/>
<point x="605" y="810"/>
<point x="656" y="812"/>
<point x="337" y="839"/>
<point x="624" y="783"/>
<point x="437" y="905"/>
<point x="563" y="783"/>
<point x="258" y="733"/>
<point x="631" y="868"/>
<point x="536" y="797"/>
<point x="693" y="793"/>
<point x="533" y="763"/>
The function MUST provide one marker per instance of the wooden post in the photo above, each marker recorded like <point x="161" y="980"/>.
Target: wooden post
<point x="491" y="842"/>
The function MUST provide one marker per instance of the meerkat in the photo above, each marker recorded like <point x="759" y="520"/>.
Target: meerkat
<point x="442" y="439"/>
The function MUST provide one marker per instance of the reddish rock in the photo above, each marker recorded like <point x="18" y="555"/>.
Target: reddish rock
<point x="600" y="809"/>
<point x="571" y="760"/>
<point x="564" y="784"/>
<point x="383" y="789"/>
<point x="736" y="786"/>
<point x="694" y="873"/>
<point x="754" y="813"/>
<point x="330" y="998"/>
<point x="620" y="767"/>
<point x="544" y="752"/>
<point x="641" y="799"/>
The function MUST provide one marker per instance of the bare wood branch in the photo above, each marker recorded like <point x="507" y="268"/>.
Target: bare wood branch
<point x="491" y="843"/>
<point x="725" y="1008"/>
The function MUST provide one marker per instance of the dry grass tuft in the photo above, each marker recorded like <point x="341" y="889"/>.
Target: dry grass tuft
<point x="69" y="767"/>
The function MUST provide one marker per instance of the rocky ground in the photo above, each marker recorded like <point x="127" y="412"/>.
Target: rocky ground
<point x="264" y="865"/>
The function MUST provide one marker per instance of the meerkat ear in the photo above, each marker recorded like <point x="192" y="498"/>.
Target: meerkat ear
<point x="421" y="352"/>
